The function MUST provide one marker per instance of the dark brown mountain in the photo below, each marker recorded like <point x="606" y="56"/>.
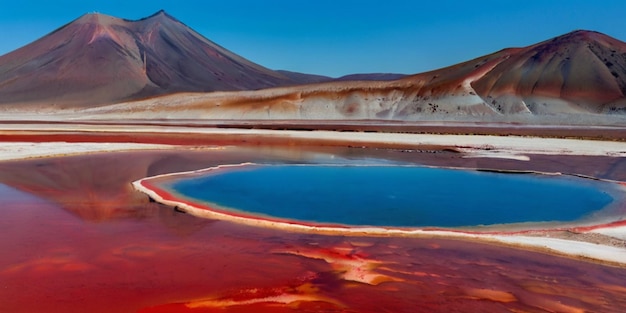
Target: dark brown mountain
<point x="99" y="59"/>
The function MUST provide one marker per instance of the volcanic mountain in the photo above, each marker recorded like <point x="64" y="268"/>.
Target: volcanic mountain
<point x="99" y="59"/>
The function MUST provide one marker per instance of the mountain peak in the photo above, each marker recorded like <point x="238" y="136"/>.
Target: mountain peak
<point x="585" y="34"/>
<point x="100" y="18"/>
<point x="159" y="15"/>
<point x="581" y="33"/>
<point x="580" y="37"/>
<point x="97" y="18"/>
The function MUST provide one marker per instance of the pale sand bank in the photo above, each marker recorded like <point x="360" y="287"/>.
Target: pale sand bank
<point x="575" y="248"/>
<point x="27" y="150"/>
<point x="496" y="146"/>
<point x="618" y="232"/>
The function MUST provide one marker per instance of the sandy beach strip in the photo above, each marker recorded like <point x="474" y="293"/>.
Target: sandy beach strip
<point x="28" y="150"/>
<point x="485" y="145"/>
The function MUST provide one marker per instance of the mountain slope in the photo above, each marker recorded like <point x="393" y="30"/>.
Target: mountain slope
<point x="576" y="78"/>
<point x="98" y="59"/>
<point x="585" y="71"/>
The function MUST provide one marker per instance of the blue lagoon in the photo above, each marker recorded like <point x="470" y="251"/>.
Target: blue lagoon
<point x="395" y="196"/>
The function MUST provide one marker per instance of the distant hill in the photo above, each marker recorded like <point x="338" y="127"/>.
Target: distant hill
<point x="305" y="78"/>
<point x="371" y="76"/>
<point x="99" y="59"/>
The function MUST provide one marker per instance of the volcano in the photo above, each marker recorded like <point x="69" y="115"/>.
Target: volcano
<point x="99" y="59"/>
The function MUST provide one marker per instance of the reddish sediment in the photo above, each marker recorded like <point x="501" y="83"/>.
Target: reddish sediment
<point x="171" y="262"/>
<point x="611" y="133"/>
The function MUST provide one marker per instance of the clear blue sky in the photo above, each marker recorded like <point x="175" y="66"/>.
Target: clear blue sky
<point x="335" y="37"/>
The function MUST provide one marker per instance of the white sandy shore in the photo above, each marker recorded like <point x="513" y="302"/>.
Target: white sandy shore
<point x="27" y="150"/>
<point x="496" y="146"/>
<point x="484" y="145"/>
<point x="584" y="250"/>
<point x="618" y="232"/>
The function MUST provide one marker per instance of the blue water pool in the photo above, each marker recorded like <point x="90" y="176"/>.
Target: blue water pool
<point x="402" y="196"/>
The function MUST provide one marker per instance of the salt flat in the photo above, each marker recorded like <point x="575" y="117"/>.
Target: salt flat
<point x="466" y="143"/>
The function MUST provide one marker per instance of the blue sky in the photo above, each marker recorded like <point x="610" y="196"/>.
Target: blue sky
<point x="338" y="37"/>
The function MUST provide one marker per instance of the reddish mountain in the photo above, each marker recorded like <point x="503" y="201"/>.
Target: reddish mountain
<point x="575" y="78"/>
<point x="577" y="73"/>
<point x="580" y="71"/>
<point x="98" y="59"/>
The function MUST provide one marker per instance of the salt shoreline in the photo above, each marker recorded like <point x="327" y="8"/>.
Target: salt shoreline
<point x="571" y="248"/>
<point x="515" y="147"/>
<point x="484" y="146"/>
<point x="28" y="150"/>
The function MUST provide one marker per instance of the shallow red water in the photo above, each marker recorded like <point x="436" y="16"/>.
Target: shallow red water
<point x="64" y="249"/>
